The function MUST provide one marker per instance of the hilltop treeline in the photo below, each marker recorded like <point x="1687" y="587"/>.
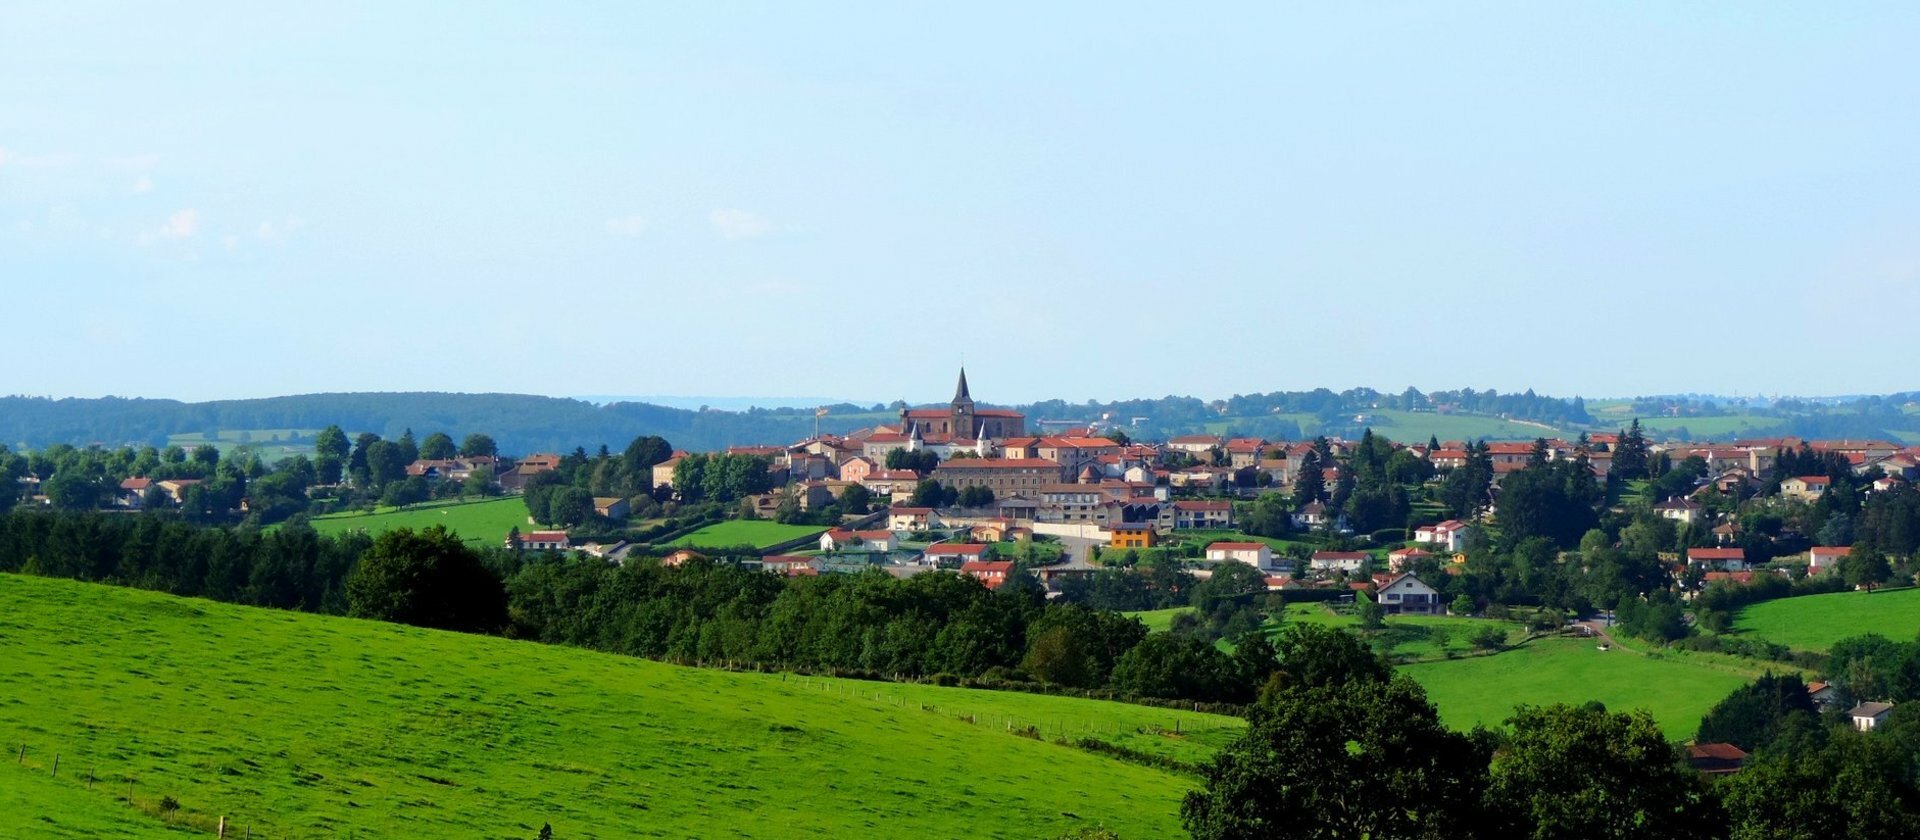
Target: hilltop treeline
<point x="938" y="625"/>
<point x="518" y="422"/>
<point x="523" y="423"/>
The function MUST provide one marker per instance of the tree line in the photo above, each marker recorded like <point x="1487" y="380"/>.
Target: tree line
<point x="933" y="625"/>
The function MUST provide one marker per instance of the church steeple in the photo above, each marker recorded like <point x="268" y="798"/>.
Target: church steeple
<point x="960" y="394"/>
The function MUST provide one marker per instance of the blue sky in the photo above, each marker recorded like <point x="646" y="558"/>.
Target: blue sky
<point x="230" y="200"/>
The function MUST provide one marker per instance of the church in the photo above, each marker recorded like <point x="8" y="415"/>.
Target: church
<point x="961" y="420"/>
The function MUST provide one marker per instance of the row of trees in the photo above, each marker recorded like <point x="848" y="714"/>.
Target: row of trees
<point x="927" y="625"/>
<point x="701" y="611"/>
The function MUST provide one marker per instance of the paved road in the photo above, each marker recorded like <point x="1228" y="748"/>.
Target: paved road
<point x="1078" y="552"/>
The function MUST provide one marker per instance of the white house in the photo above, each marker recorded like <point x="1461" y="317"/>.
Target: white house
<point x="1823" y="557"/>
<point x="545" y="541"/>
<point x="1255" y="554"/>
<point x="1202" y="514"/>
<point x="842" y="540"/>
<point x="1408" y="595"/>
<point x="1681" y="510"/>
<point x="1724" y="559"/>
<point x="911" y="519"/>
<point x="1867" y="716"/>
<point x="1451" y="534"/>
<point x="1806" y="488"/>
<point x="1337" y="561"/>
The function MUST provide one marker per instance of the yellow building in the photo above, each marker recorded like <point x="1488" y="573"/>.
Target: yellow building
<point x="1131" y="535"/>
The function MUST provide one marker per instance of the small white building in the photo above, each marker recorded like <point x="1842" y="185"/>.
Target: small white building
<point x="1681" y="510"/>
<point x="1867" y="716"/>
<point x="1450" y="535"/>
<point x="1346" y="562"/>
<point x="1823" y="557"/>
<point x="1409" y="595"/>
<point x="1255" y="554"/>
<point x="843" y="540"/>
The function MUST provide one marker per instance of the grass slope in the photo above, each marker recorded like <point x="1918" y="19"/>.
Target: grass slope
<point x="309" y="726"/>
<point x="478" y="523"/>
<point x="1484" y="690"/>
<point x="35" y="804"/>
<point x="758" y="533"/>
<point x="1815" y="622"/>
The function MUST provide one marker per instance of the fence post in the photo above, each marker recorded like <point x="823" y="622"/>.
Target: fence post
<point x="223" y="827"/>
<point x="23" y="754"/>
<point x="56" y="765"/>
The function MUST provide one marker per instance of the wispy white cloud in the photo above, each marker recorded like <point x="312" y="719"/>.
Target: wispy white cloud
<point x="183" y="224"/>
<point x="9" y="157"/>
<point x="273" y="231"/>
<point x="627" y="225"/>
<point x="143" y="185"/>
<point x="230" y="241"/>
<point x="740" y="224"/>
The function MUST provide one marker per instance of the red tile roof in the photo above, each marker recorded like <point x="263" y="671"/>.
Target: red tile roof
<point x="960" y="549"/>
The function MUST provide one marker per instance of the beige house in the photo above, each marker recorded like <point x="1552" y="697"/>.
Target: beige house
<point x="1806" y="488"/>
<point x="1255" y="554"/>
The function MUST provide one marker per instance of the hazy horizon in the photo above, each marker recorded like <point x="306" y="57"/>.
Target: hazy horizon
<point x="239" y="201"/>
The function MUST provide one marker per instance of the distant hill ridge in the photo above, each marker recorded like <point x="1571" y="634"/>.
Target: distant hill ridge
<point x="524" y="423"/>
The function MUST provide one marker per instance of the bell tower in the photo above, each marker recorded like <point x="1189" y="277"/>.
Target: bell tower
<point x="963" y="421"/>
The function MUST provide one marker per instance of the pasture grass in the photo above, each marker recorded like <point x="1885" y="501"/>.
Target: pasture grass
<point x="1815" y="622"/>
<point x="758" y="533"/>
<point x="477" y="522"/>
<point x="300" y="725"/>
<point x="1484" y="690"/>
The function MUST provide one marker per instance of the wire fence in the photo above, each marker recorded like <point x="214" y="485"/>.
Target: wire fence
<point x="125" y="788"/>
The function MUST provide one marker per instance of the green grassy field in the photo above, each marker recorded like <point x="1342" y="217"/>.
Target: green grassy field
<point x="1158" y="621"/>
<point x="305" y="726"/>
<point x="478" y="523"/>
<point x="1721" y="427"/>
<point x="1206" y="536"/>
<point x="270" y="444"/>
<point x="1483" y="690"/>
<point x="58" y="807"/>
<point x="1405" y="637"/>
<point x="758" y="533"/>
<point x="1815" y="622"/>
<point x="1418" y="426"/>
<point x="1412" y="636"/>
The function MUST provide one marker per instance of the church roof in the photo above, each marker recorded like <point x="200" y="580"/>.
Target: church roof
<point x="960" y="393"/>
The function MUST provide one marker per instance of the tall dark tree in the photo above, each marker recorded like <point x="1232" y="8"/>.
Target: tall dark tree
<point x="1754" y="715"/>
<point x="1359" y="759"/>
<point x="1309" y="481"/>
<point x="427" y="578"/>
<point x="331" y="441"/>
<point x="1585" y="772"/>
<point x="478" y="445"/>
<point x="1630" y="455"/>
<point x="437" y="447"/>
<point x="409" y="449"/>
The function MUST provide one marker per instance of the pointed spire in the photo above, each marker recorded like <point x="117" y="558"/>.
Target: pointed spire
<point x="960" y="393"/>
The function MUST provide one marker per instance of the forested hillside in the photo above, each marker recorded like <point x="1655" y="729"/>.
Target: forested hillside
<point x="519" y="423"/>
<point x="524" y="423"/>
